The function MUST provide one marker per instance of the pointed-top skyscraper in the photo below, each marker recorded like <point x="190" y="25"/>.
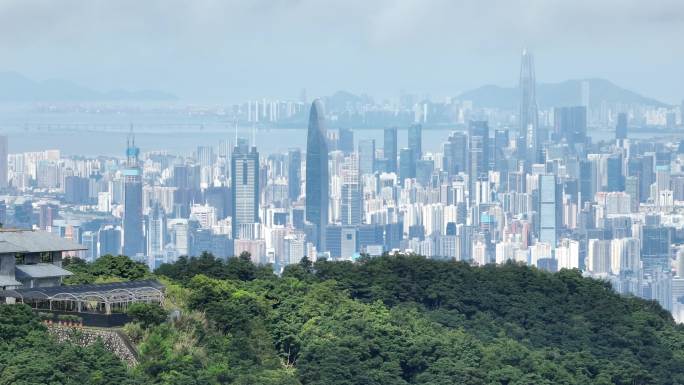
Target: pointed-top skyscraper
<point x="317" y="173"/>
<point x="133" y="241"/>
<point x="529" y="119"/>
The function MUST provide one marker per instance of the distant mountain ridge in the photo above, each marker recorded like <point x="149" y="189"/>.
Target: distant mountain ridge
<point x="565" y="93"/>
<point x="15" y="87"/>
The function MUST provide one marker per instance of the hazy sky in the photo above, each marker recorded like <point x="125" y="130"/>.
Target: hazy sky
<point x="232" y="50"/>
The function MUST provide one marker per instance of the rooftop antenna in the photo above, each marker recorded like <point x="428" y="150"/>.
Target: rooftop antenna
<point x="236" y="135"/>
<point x="253" y="135"/>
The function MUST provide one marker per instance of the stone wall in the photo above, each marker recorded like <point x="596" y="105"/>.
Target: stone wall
<point x="113" y="340"/>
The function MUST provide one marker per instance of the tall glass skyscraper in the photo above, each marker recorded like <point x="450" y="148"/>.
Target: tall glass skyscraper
<point x="407" y="165"/>
<point x="529" y="118"/>
<point x="390" y="149"/>
<point x="317" y="179"/>
<point x="479" y="154"/>
<point x="415" y="140"/>
<point x="244" y="190"/>
<point x="621" y="127"/>
<point x="548" y="209"/>
<point x="133" y="242"/>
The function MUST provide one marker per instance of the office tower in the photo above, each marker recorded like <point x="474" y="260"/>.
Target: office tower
<point x="621" y="126"/>
<point x="351" y="192"/>
<point x="479" y="154"/>
<point x="244" y="190"/>
<point x="615" y="180"/>
<point x="348" y="242"/>
<point x="570" y="123"/>
<point x="529" y="118"/>
<point x="3" y="162"/>
<point x="218" y="197"/>
<point x="390" y="149"/>
<point x="333" y="240"/>
<point x="500" y="143"/>
<point x="642" y="167"/>
<point x="655" y="248"/>
<point x="294" y="174"/>
<point x="76" y="190"/>
<point x="346" y="141"/>
<point x="366" y="156"/>
<point x="133" y="242"/>
<point x="415" y="140"/>
<point x="109" y="241"/>
<point x="424" y="169"/>
<point x="548" y="209"/>
<point x="370" y="235"/>
<point x="455" y="153"/>
<point x="181" y="176"/>
<point x="407" y="165"/>
<point x="317" y="180"/>
<point x="156" y="231"/>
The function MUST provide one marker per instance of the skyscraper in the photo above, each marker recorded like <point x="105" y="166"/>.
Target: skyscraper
<point x="3" y="162"/>
<point x="367" y="156"/>
<point x="570" y="123"/>
<point x="479" y="154"/>
<point x="346" y="141"/>
<point x="621" y="127"/>
<point x="455" y="150"/>
<point x="244" y="189"/>
<point x="415" y="140"/>
<point x="549" y="214"/>
<point x="294" y="174"/>
<point x="317" y="179"/>
<point x="615" y="179"/>
<point x="529" y="118"/>
<point x="407" y="165"/>
<point x="390" y="149"/>
<point x="156" y="231"/>
<point x="351" y="192"/>
<point x="133" y="242"/>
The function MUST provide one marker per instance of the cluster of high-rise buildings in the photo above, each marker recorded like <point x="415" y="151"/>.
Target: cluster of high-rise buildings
<point x="537" y="191"/>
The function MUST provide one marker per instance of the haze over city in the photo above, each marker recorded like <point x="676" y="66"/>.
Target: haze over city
<point x="236" y="50"/>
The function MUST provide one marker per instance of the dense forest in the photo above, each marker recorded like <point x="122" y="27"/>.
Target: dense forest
<point x="386" y="320"/>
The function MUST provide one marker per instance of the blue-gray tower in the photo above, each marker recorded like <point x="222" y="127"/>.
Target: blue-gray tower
<point x="133" y="242"/>
<point x="317" y="173"/>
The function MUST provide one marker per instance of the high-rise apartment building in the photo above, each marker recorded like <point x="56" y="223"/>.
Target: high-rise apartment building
<point x="294" y="174"/>
<point x="366" y="156"/>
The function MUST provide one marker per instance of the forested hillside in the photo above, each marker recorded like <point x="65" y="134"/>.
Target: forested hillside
<point x="388" y="320"/>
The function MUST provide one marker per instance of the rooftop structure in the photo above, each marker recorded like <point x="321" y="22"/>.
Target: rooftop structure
<point x="31" y="259"/>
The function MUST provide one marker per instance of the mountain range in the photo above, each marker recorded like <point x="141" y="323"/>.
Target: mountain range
<point x="15" y="87"/>
<point x="566" y="93"/>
